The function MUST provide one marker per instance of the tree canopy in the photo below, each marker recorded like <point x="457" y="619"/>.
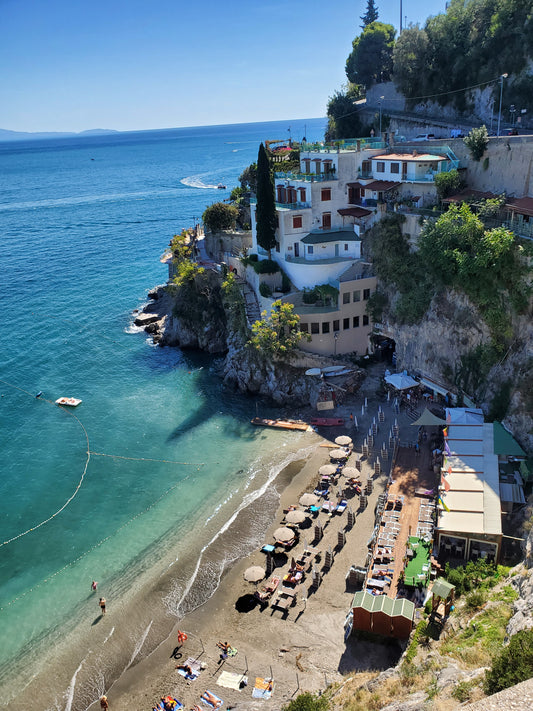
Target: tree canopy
<point x="343" y="118"/>
<point x="278" y="334"/>
<point x="371" y="14"/>
<point x="512" y="665"/>
<point x="266" y="204"/>
<point x="248" y="178"/>
<point x="370" y="60"/>
<point x="220" y="216"/>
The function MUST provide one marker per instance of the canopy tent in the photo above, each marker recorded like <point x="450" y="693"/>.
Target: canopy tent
<point x="428" y="419"/>
<point x="401" y="381"/>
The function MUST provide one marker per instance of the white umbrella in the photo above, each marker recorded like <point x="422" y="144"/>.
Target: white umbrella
<point x="337" y="454"/>
<point x="254" y="574"/>
<point x="401" y="381"/>
<point x="295" y="517"/>
<point x="327" y="470"/>
<point x="343" y="440"/>
<point x="351" y="473"/>
<point x="284" y="534"/>
<point x="308" y="500"/>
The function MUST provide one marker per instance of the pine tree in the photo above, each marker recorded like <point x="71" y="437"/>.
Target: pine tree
<point x="371" y="14"/>
<point x="266" y="204"/>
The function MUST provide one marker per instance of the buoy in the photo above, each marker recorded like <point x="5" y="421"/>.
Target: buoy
<point x="39" y="393"/>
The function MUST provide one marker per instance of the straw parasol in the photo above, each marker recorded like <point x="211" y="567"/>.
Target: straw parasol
<point x="308" y="500"/>
<point x="351" y="473"/>
<point x="284" y="534"/>
<point x="254" y="574"/>
<point x="327" y="470"/>
<point x="295" y="517"/>
<point x="337" y="454"/>
<point x="343" y="440"/>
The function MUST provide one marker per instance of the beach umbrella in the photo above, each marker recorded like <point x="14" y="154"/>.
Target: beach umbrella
<point x="337" y="454"/>
<point x="401" y="381"/>
<point x="284" y="534"/>
<point x="254" y="574"/>
<point x="351" y="473"/>
<point x="343" y="440"/>
<point x="295" y="517"/>
<point x="309" y="500"/>
<point x="327" y="470"/>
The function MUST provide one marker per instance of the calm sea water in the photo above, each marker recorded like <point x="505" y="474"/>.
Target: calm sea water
<point x="148" y="472"/>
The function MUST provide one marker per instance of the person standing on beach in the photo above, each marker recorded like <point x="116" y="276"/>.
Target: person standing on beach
<point x="103" y="702"/>
<point x="102" y="605"/>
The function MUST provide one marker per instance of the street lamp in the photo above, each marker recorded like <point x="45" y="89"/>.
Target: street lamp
<point x="502" y="77"/>
<point x="379" y="102"/>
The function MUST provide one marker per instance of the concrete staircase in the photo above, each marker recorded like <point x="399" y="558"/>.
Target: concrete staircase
<point x="251" y="305"/>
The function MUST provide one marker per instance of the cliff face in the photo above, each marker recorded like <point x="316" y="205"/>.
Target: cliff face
<point x="443" y="347"/>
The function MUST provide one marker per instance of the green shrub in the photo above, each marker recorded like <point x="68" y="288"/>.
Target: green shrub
<point x="513" y="665"/>
<point x="476" y="599"/>
<point x="265" y="266"/>
<point x="307" y="702"/>
<point x="463" y="691"/>
<point x="477" y="142"/>
<point x="265" y="290"/>
<point x="220" y="216"/>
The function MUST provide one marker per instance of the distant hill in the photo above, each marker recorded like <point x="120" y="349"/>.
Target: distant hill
<point x="7" y="135"/>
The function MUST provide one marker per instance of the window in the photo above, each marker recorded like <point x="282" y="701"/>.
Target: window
<point x="356" y="321"/>
<point x="345" y="323"/>
<point x="357" y="296"/>
<point x="336" y="326"/>
<point x="366" y="294"/>
<point x="309" y="249"/>
<point x="326" y="220"/>
<point x="325" y="194"/>
<point x="304" y="327"/>
<point x="325" y="327"/>
<point x="394" y="167"/>
<point x="365" y="320"/>
<point x="297" y="222"/>
<point x="302" y="194"/>
<point x="315" y="328"/>
<point x="380" y="166"/>
<point x="346" y="297"/>
<point x="345" y="247"/>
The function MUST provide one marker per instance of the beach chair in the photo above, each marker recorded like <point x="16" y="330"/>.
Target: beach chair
<point x="341" y="506"/>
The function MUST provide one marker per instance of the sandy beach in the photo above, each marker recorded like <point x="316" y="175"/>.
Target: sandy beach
<point x="302" y="649"/>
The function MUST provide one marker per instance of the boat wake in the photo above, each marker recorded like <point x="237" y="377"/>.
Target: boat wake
<point x="195" y="181"/>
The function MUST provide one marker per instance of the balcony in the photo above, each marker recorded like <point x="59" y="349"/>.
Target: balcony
<point x="307" y="177"/>
<point x="313" y="260"/>
<point x="287" y="205"/>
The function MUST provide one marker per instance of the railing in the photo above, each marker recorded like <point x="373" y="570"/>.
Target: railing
<point x="307" y="177"/>
<point x="293" y="205"/>
<point x="314" y="260"/>
<point x="348" y="144"/>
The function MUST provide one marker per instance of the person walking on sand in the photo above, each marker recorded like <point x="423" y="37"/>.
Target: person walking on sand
<point x="104" y="704"/>
<point x="102" y="605"/>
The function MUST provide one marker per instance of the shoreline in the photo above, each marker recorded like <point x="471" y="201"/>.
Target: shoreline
<point x="304" y="652"/>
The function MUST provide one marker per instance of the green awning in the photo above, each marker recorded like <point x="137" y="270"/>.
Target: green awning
<point x="504" y="442"/>
<point x="442" y="588"/>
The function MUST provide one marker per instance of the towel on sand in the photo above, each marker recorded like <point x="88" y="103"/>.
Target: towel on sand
<point x="195" y="665"/>
<point x="215" y="704"/>
<point x="263" y="688"/>
<point x="231" y="680"/>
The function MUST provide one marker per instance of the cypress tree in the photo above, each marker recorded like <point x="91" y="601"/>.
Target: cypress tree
<point x="266" y="204"/>
<point x="371" y="14"/>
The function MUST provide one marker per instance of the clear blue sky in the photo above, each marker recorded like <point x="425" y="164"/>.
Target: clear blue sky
<point x="68" y="65"/>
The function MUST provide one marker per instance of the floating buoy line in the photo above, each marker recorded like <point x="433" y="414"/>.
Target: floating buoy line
<point x="40" y="397"/>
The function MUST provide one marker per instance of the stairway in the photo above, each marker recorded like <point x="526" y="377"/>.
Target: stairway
<point x="251" y="305"/>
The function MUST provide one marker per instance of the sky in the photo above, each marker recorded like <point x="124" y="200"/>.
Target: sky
<point x="68" y="65"/>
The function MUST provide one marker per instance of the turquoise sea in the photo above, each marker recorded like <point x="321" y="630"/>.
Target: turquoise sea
<point x="139" y="486"/>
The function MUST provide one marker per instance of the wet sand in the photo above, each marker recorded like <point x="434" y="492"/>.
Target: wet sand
<point x="303" y="650"/>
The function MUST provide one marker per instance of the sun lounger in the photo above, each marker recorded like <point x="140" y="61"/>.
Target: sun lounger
<point x="265" y="592"/>
<point x="341" y="507"/>
<point x="211" y="700"/>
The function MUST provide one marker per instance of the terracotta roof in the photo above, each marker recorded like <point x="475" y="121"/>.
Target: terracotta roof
<point x="354" y="212"/>
<point x="467" y="194"/>
<point x="523" y="205"/>
<point x="382" y="185"/>
<point x="355" y="185"/>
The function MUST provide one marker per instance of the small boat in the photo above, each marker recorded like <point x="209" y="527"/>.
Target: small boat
<point x="281" y="424"/>
<point x="327" y="421"/>
<point x="68" y="401"/>
<point x="313" y="371"/>
<point x="220" y="186"/>
<point x="39" y="394"/>
<point x="333" y="370"/>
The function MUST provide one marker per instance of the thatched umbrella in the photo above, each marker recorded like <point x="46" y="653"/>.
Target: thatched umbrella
<point x="254" y="574"/>
<point x="295" y="517"/>
<point x="351" y="473"/>
<point x="337" y="454"/>
<point x="284" y="534"/>
<point x="309" y="499"/>
<point x="327" y="470"/>
<point x="343" y="440"/>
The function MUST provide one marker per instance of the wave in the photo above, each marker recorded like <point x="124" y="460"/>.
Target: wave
<point x="90" y="199"/>
<point x="195" y="181"/>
